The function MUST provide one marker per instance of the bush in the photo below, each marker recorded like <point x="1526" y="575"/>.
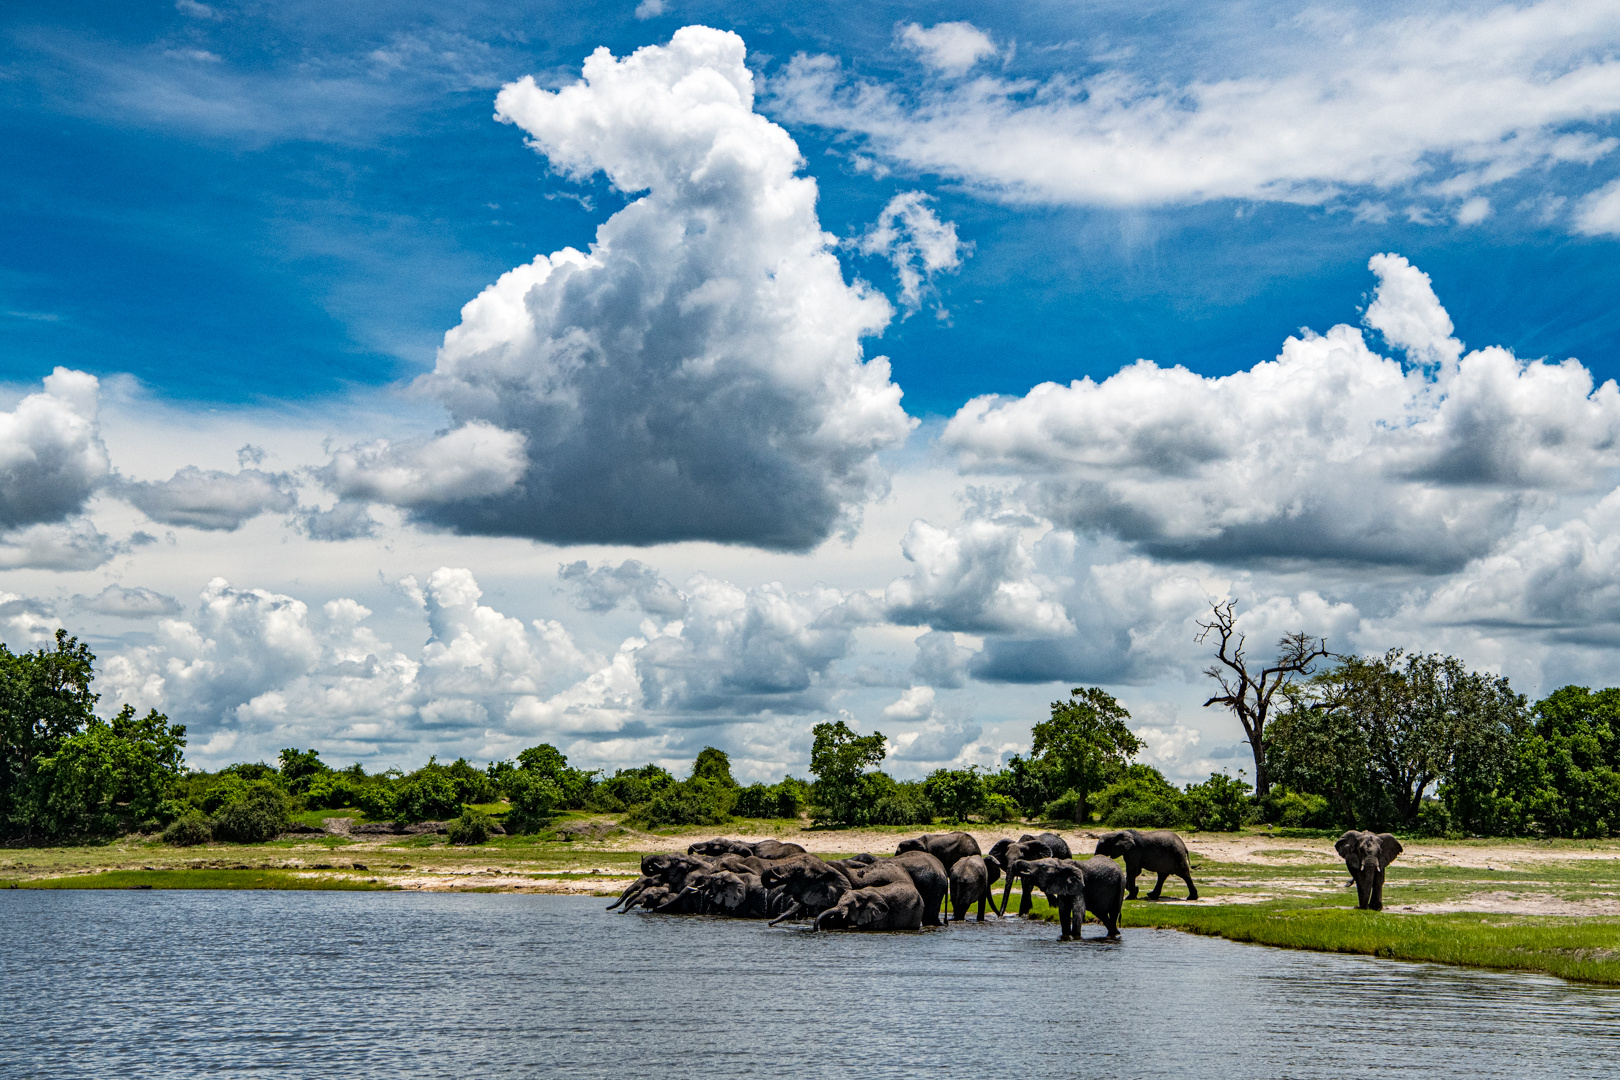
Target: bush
<point x="1065" y="807"/>
<point x="534" y="799"/>
<point x="1141" y="799"/>
<point x="999" y="809"/>
<point x="472" y="827"/>
<point x="907" y="804"/>
<point x="782" y="800"/>
<point x="1433" y="819"/>
<point x="261" y="814"/>
<point x="629" y="787"/>
<point x="332" y="790"/>
<point x="377" y="799"/>
<point x="188" y="830"/>
<point x="427" y="796"/>
<point x="1297" y="810"/>
<point x="224" y="790"/>
<point x="691" y="802"/>
<point x="958" y="792"/>
<point x="1220" y="803"/>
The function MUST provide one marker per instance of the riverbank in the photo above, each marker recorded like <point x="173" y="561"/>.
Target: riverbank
<point x="1549" y="906"/>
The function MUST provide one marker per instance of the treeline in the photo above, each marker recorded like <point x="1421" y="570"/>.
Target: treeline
<point x="1406" y="743"/>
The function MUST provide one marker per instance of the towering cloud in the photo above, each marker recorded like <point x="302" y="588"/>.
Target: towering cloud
<point x="51" y="454"/>
<point x="698" y="374"/>
<point x="1330" y="452"/>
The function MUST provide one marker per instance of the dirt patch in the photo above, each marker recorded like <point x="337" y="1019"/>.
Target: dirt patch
<point x="1515" y="903"/>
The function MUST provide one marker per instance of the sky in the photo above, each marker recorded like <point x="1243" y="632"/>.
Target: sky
<point x="415" y="379"/>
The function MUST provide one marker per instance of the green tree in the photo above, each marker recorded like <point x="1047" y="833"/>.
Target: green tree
<point x="1085" y="739"/>
<point x="958" y="793"/>
<point x="111" y="776"/>
<point x="547" y="762"/>
<point x="299" y="768"/>
<point x="45" y="699"/>
<point x="1565" y="779"/>
<point x="712" y="764"/>
<point x="839" y="760"/>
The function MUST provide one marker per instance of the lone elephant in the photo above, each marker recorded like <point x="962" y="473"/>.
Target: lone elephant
<point x="1160" y="852"/>
<point x="1367" y="855"/>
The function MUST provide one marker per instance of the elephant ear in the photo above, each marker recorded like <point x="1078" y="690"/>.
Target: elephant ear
<point x="1390" y="846"/>
<point x="992" y="869"/>
<point x="1346" y="845"/>
<point x="870" y="912"/>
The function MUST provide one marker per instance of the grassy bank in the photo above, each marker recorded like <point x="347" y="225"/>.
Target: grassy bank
<point x="209" y="879"/>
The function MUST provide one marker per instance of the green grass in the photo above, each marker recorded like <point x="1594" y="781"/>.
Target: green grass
<point x="204" y="879"/>
<point x="1585" y="950"/>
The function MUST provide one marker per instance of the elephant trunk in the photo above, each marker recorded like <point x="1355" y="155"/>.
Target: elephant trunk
<point x="1006" y="891"/>
<point x="791" y="912"/>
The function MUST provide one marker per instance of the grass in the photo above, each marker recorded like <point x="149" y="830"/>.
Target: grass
<point x="205" y="879"/>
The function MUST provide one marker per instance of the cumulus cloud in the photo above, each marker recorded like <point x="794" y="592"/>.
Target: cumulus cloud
<point x="977" y="577"/>
<point x="73" y="545"/>
<point x="951" y="47"/>
<point x="941" y="662"/>
<point x="51" y="454"/>
<point x="605" y="587"/>
<point x="211" y="499"/>
<point x="345" y="521"/>
<point x="136" y="603"/>
<point x="915" y="241"/>
<point x="1330" y="452"/>
<point x="474" y="460"/>
<point x="699" y="373"/>
<point x="26" y="622"/>
<point x="1504" y="91"/>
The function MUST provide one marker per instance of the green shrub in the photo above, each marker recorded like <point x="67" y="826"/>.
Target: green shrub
<point x="1433" y="819"/>
<point x="958" y="793"/>
<point x="534" y="799"/>
<point x="629" y="787"/>
<point x="262" y="813"/>
<point x="378" y="799"/>
<point x="1220" y="803"/>
<point x="1065" y="807"/>
<point x="781" y="800"/>
<point x="1297" y="810"/>
<point x="188" y="830"/>
<point x="1140" y="799"/>
<point x="332" y="790"/>
<point x="691" y="802"/>
<point x="907" y="804"/>
<point x="999" y="809"/>
<point x="472" y="827"/>
<point x="224" y="790"/>
<point x="427" y="795"/>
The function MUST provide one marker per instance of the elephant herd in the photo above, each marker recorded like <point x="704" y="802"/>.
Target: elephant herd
<point x="926" y="876"/>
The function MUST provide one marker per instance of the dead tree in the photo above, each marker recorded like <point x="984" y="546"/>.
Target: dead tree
<point x="1250" y="696"/>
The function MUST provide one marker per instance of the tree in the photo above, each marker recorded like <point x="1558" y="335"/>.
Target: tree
<point x="300" y="767"/>
<point x="1085" y="739"/>
<point x="958" y="793"/>
<point x="1250" y="696"/>
<point x="109" y="777"/>
<point x="45" y="699"/>
<point x="838" y="759"/>
<point x="712" y="764"/>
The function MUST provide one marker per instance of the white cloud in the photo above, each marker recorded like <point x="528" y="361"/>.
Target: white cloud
<point x="1503" y="91"/>
<point x="1598" y="214"/>
<point x="1328" y="453"/>
<point x="941" y="661"/>
<point x="136" y="603"/>
<point x="473" y="461"/>
<point x="72" y="545"/>
<point x="699" y="373"/>
<point x="51" y="454"/>
<point x="651" y="9"/>
<point x="976" y="577"/>
<point x="1473" y="211"/>
<point x="603" y="588"/>
<point x="915" y="241"/>
<point x="26" y="623"/>
<point x="211" y="499"/>
<point x="951" y="47"/>
<point x="916" y="703"/>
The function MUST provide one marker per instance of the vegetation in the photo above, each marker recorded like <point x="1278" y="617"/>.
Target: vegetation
<point x="472" y="827"/>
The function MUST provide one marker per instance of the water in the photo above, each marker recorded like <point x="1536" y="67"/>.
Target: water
<point x="182" y="984"/>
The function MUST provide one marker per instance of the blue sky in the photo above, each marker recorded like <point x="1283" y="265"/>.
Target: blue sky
<point x="254" y="225"/>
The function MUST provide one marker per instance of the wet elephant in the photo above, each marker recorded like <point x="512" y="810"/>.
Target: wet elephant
<point x="894" y="906"/>
<point x="971" y="879"/>
<point x="948" y="848"/>
<point x="1005" y="852"/>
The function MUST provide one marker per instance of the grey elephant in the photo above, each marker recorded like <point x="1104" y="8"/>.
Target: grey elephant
<point x="948" y="848"/>
<point x="894" y="906"/>
<point x="1367" y="855"/>
<point x="809" y="885"/>
<point x="1006" y="852"/>
<point x="1075" y="887"/>
<point x="1161" y="852"/>
<point x="971" y="879"/>
<point x="927" y="876"/>
<point x="720" y="845"/>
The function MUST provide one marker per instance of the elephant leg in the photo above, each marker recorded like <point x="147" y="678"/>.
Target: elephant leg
<point x="1192" y="890"/>
<point x="981" y="908"/>
<point x="1158" y="886"/>
<point x="1363" y="894"/>
<point x="1132" y="869"/>
<point x="1027" y="904"/>
<point x="1065" y="914"/>
<point x="1377" y="903"/>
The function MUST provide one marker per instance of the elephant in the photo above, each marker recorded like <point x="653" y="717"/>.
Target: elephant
<point x="721" y="892"/>
<point x="927" y="876"/>
<point x="809" y="884"/>
<point x="894" y="906"/>
<point x="634" y="890"/>
<point x="720" y="845"/>
<point x="946" y="847"/>
<point x="1006" y="852"/>
<point x="1073" y="887"/>
<point x="1367" y="855"/>
<point x="776" y="849"/>
<point x="970" y="880"/>
<point x="1161" y="852"/>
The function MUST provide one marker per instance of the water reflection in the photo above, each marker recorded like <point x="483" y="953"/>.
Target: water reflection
<point x="100" y="984"/>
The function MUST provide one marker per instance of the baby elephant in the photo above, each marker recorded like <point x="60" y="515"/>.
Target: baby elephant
<point x="1074" y="887"/>
<point x="1161" y="852"/>
<point x="971" y="879"/>
<point x="896" y="906"/>
<point x="1367" y="855"/>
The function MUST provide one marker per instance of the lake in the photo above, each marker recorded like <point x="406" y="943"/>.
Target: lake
<point x="180" y="984"/>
